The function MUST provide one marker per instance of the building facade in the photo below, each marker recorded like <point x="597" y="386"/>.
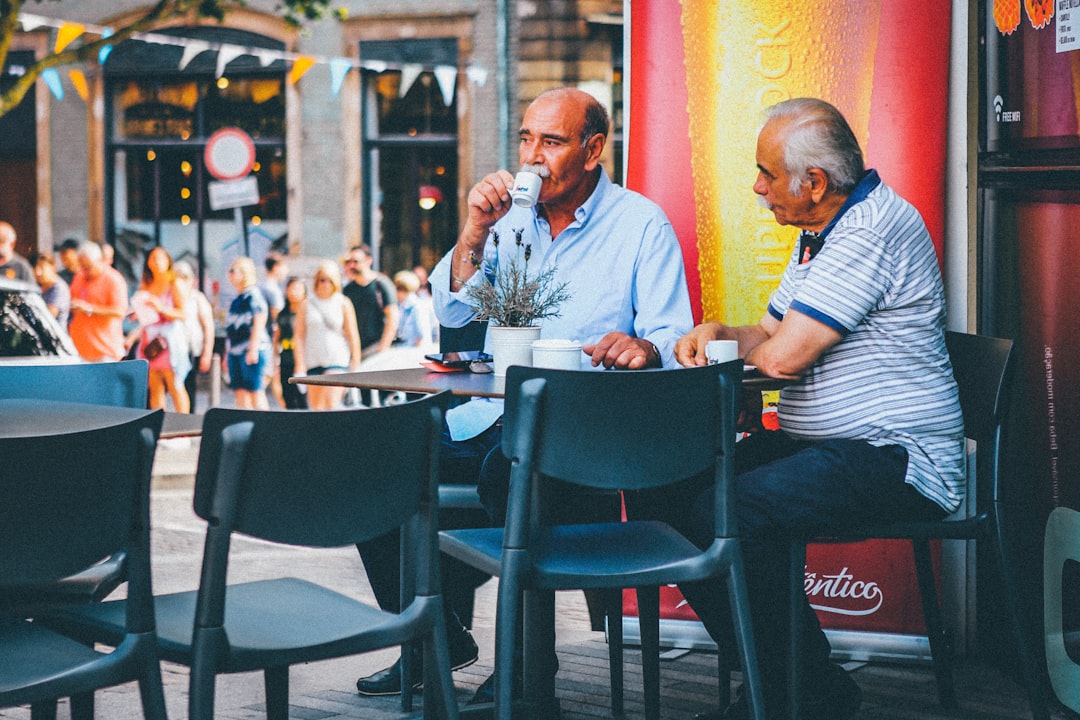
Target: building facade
<point x="370" y="129"/>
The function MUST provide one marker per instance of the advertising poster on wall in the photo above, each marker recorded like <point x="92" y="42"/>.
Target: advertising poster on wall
<point x="701" y="74"/>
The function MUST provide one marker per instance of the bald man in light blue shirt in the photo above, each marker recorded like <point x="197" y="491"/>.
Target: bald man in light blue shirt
<point x="622" y="265"/>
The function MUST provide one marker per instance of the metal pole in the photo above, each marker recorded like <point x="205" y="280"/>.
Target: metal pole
<point x="502" y="48"/>
<point x="238" y="213"/>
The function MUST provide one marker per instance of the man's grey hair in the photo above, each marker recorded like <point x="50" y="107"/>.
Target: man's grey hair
<point x="90" y="249"/>
<point x="818" y="136"/>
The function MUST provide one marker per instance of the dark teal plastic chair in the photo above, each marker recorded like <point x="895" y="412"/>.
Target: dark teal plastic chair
<point x="293" y="478"/>
<point x="66" y="501"/>
<point x="983" y="368"/>
<point x="608" y="431"/>
<point x="119" y="384"/>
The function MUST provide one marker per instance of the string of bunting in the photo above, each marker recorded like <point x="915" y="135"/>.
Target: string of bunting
<point x="299" y="64"/>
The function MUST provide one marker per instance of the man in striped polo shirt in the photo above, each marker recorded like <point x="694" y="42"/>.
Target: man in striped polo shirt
<point x="871" y="427"/>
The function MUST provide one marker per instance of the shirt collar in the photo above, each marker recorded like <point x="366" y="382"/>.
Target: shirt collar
<point x="869" y="181"/>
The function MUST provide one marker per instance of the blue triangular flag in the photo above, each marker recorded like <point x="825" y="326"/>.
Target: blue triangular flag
<point x="52" y="79"/>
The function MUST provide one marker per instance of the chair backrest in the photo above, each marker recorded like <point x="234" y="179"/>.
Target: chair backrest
<point x="121" y="384"/>
<point x="983" y="369"/>
<point x="70" y="499"/>
<point x="318" y="479"/>
<point x="623" y="430"/>
<point x="982" y="366"/>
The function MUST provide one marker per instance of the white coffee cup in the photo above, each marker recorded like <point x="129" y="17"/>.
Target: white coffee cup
<point x="526" y="190"/>
<point x="556" y="353"/>
<point x="721" y="351"/>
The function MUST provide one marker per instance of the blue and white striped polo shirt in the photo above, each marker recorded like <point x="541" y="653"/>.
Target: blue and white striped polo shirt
<point x="889" y="380"/>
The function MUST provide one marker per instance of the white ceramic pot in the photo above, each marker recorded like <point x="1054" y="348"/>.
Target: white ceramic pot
<point x="512" y="346"/>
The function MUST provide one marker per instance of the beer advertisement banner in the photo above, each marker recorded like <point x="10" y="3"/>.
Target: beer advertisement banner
<point x="701" y="72"/>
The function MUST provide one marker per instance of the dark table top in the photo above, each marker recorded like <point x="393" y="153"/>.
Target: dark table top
<point x="30" y="418"/>
<point x="421" y="380"/>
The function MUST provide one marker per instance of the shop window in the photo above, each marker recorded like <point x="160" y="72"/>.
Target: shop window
<point x="410" y="144"/>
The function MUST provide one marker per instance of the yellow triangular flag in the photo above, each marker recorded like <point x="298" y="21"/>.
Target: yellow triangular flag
<point x="301" y="65"/>
<point x="68" y="32"/>
<point x="78" y="79"/>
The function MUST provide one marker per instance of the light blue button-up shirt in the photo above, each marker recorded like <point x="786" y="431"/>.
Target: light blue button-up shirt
<point x="623" y="267"/>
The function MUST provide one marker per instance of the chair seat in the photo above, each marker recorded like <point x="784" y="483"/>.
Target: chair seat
<point x="33" y="656"/>
<point x="589" y="556"/>
<point x="262" y="618"/>
<point x="90" y="585"/>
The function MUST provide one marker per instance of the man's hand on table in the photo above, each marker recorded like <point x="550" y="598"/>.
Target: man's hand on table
<point x="690" y="348"/>
<point x="622" y="352"/>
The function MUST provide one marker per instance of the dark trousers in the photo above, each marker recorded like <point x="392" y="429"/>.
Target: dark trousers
<point x="784" y="488"/>
<point x="191" y="382"/>
<point x="477" y="461"/>
<point x="459" y="463"/>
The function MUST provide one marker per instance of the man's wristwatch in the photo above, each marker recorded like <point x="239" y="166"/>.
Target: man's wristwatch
<point x="659" y="357"/>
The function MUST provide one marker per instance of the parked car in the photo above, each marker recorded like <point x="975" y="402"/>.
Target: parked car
<point x="27" y="328"/>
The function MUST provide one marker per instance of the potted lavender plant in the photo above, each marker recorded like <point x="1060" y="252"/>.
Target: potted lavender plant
<point x="514" y="302"/>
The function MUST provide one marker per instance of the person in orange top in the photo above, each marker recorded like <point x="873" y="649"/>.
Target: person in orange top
<point x="99" y="301"/>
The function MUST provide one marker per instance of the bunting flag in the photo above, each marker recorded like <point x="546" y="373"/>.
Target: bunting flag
<point x="339" y="68"/>
<point x="78" y="80"/>
<point x="67" y="33"/>
<point x="226" y="55"/>
<point x="191" y="51"/>
<point x="301" y="65"/>
<point x="446" y="76"/>
<point x="477" y="76"/>
<point x="103" y="53"/>
<point x="409" y="73"/>
<point x="52" y="81"/>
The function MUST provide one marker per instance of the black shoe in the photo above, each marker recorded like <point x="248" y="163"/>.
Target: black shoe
<point x="486" y="692"/>
<point x="834" y="695"/>
<point x="463" y="653"/>
<point x="830" y="695"/>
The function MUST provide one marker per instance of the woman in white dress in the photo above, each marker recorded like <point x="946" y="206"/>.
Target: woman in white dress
<point x="326" y="339"/>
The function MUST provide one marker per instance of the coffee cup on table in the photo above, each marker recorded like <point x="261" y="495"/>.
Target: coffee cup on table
<point x="526" y="190"/>
<point x="721" y="351"/>
<point x="556" y="353"/>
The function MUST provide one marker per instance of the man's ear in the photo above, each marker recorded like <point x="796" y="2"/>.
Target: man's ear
<point x="595" y="148"/>
<point x="818" y="182"/>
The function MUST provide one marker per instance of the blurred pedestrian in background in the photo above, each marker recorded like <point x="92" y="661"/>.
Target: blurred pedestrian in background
<point x="418" y="327"/>
<point x="159" y="306"/>
<point x="374" y="301"/>
<point x="68" y="255"/>
<point x="327" y="339"/>
<point x="289" y="396"/>
<point x="99" y="303"/>
<point x="12" y="265"/>
<point x="246" y="340"/>
<point x="54" y="290"/>
<point x="199" y="323"/>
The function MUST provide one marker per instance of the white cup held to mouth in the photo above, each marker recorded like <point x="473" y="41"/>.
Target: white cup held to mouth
<point x="721" y="351"/>
<point x="557" y="354"/>
<point x="526" y="190"/>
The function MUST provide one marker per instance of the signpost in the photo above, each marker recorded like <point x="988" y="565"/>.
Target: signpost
<point x="230" y="156"/>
